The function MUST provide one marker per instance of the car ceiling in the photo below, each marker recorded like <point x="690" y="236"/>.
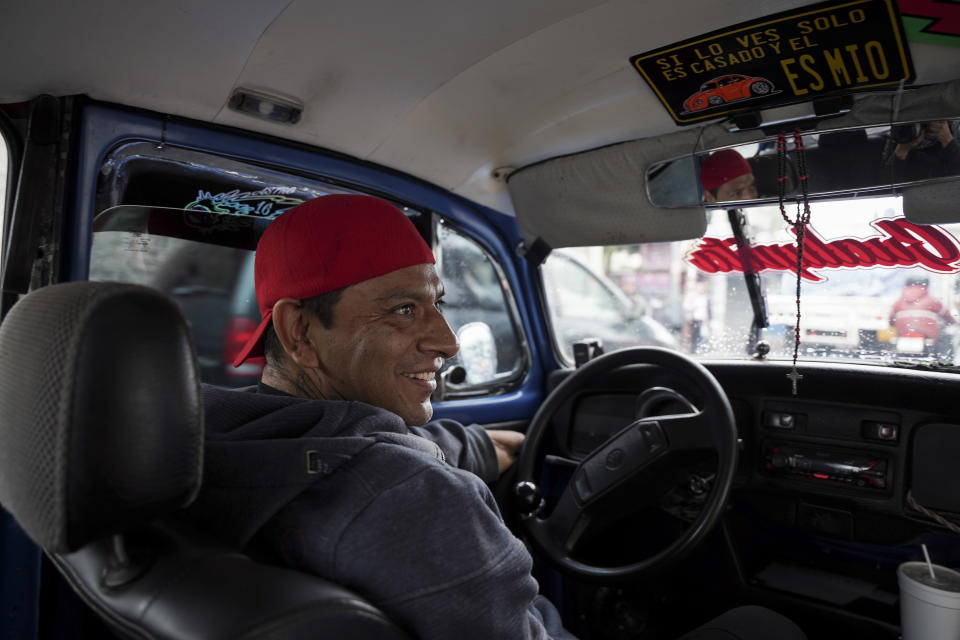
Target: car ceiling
<point x="446" y="90"/>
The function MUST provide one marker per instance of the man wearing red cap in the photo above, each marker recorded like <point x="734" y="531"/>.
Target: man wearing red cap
<point x="318" y="465"/>
<point x="389" y="338"/>
<point x="350" y="303"/>
<point x="727" y="176"/>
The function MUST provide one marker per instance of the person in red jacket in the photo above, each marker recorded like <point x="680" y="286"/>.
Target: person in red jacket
<point x="916" y="311"/>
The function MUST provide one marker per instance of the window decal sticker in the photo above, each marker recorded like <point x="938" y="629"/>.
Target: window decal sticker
<point x="268" y="202"/>
<point x="899" y="244"/>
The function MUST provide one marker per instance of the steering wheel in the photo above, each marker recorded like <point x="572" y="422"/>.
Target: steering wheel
<point x="639" y="453"/>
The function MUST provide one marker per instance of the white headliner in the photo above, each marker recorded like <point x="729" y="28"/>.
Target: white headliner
<point x="446" y="90"/>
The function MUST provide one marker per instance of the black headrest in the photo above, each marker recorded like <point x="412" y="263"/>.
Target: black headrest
<point x="766" y="170"/>
<point x="101" y="421"/>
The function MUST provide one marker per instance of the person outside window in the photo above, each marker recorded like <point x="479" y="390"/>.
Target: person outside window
<point x="918" y="312"/>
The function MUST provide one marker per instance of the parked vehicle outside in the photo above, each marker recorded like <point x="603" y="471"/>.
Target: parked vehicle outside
<point x="587" y="305"/>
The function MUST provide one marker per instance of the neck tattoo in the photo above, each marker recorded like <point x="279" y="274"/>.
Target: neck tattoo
<point x="307" y="388"/>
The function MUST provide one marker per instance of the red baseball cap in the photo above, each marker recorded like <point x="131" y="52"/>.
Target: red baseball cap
<point x="722" y="166"/>
<point x="329" y="243"/>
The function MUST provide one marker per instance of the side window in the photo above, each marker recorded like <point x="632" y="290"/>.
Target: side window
<point x="479" y="310"/>
<point x="212" y="284"/>
<point x="195" y="214"/>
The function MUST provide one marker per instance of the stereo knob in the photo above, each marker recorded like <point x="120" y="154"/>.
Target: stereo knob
<point x="779" y="461"/>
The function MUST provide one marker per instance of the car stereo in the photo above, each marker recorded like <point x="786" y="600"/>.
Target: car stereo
<point x="829" y="466"/>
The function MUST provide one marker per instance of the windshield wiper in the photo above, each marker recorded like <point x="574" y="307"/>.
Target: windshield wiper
<point x="738" y="223"/>
<point x="947" y="367"/>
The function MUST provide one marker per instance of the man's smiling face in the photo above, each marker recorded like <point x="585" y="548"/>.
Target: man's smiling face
<point x="387" y="341"/>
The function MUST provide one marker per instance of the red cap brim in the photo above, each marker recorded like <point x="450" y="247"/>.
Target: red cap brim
<point x="254" y="346"/>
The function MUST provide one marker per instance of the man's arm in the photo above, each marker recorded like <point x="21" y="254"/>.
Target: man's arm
<point x="507" y="443"/>
<point x="434" y="554"/>
<point x="487" y="453"/>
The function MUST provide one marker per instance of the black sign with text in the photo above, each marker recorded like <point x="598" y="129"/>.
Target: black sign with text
<point x="795" y="56"/>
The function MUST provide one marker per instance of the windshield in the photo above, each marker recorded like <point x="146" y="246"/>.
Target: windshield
<point x="874" y="288"/>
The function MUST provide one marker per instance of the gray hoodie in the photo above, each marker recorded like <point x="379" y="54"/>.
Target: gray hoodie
<point x="401" y="515"/>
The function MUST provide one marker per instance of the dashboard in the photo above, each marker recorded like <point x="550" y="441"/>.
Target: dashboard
<point x="861" y="436"/>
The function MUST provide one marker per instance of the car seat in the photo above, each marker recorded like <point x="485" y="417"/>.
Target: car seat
<point x="101" y="444"/>
<point x="766" y="171"/>
<point x="844" y="160"/>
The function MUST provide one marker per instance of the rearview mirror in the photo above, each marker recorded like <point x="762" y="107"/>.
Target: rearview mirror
<point x="858" y="160"/>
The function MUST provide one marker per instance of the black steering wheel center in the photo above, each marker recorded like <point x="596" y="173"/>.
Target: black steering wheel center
<point x="644" y="447"/>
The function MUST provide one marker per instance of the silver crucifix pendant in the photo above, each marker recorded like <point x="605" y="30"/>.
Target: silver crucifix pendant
<point x="795" y="377"/>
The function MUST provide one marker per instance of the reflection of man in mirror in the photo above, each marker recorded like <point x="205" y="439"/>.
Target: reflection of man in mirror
<point x="726" y="175"/>
<point x="925" y="150"/>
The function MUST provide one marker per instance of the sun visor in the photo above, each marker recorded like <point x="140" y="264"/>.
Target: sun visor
<point x="599" y="197"/>
<point x="934" y="203"/>
<point x="927" y="102"/>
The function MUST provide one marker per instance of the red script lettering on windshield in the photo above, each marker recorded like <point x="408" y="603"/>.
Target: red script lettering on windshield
<point x="900" y="244"/>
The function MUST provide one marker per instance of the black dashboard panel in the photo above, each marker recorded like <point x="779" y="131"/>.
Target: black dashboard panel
<point x="849" y="437"/>
<point x="821" y="513"/>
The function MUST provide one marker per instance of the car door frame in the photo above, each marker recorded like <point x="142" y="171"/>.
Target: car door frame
<point x="98" y="128"/>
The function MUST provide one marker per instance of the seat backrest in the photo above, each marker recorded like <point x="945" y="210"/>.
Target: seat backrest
<point x="101" y="443"/>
